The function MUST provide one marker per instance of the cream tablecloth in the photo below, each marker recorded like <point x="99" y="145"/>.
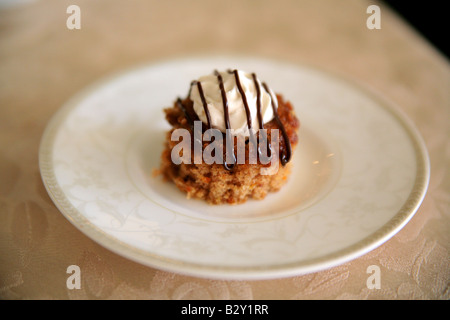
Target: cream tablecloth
<point x="43" y="63"/>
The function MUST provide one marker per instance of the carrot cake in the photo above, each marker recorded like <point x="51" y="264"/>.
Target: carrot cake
<point x="231" y="139"/>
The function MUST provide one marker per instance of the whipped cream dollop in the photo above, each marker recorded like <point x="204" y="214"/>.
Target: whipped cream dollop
<point x="210" y="93"/>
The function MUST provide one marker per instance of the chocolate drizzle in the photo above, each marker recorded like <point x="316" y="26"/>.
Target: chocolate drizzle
<point x="247" y="110"/>
<point x="205" y="105"/>
<point x="227" y="120"/>
<point x="285" y="156"/>
<point x="186" y="114"/>
<point x="262" y="133"/>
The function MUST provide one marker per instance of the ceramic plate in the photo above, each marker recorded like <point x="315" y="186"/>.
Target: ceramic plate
<point x="360" y="172"/>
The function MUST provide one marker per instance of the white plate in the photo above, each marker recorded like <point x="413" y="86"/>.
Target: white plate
<point x="360" y="172"/>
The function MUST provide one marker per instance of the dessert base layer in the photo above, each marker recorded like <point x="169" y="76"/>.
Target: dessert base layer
<point x="213" y="182"/>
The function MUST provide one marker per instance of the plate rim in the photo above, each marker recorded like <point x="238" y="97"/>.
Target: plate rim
<point x="365" y="245"/>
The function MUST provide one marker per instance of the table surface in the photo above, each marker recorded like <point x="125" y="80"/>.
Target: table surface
<point x="43" y="64"/>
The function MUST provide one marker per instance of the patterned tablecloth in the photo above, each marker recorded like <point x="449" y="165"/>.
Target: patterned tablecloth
<point x="43" y="63"/>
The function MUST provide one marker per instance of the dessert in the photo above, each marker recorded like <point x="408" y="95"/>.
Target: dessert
<point x="232" y="139"/>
